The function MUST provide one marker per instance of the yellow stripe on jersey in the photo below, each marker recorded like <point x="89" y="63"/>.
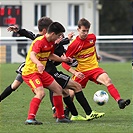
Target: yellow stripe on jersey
<point x="86" y="59"/>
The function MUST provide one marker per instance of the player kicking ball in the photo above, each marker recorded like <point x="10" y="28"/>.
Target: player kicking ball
<point x="83" y="49"/>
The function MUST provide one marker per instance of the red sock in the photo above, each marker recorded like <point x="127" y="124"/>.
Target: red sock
<point x="114" y="92"/>
<point x="34" y="105"/>
<point x="57" y="100"/>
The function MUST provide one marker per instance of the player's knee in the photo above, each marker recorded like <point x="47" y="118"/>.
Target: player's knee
<point x="58" y="90"/>
<point x="78" y="87"/>
<point x="14" y="87"/>
<point x="108" y="81"/>
<point x="40" y="95"/>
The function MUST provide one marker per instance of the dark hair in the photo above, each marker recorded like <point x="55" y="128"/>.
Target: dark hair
<point x="84" y="22"/>
<point x="44" y="22"/>
<point x="56" y="27"/>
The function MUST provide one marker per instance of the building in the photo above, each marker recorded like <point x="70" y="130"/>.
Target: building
<point x="68" y="12"/>
<point x="26" y="14"/>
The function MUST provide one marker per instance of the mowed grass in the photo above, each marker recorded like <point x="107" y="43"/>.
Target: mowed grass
<point x="13" y="110"/>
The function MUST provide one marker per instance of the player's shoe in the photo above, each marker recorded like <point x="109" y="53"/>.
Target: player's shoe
<point x="94" y="115"/>
<point x="33" y="122"/>
<point x="78" y="118"/>
<point x="64" y="120"/>
<point x="123" y="103"/>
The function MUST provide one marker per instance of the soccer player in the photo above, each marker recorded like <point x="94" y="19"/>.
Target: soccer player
<point x="37" y="78"/>
<point x="83" y="49"/>
<point x="63" y="79"/>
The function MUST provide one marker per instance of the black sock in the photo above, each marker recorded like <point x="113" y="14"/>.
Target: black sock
<point x="83" y="102"/>
<point x="6" y="92"/>
<point x="51" y="100"/>
<point x="70" y="105"/>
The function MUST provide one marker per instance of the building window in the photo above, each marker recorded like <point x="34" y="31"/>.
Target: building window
<point x="40" y="11"/>
<point x="74" y="14"/>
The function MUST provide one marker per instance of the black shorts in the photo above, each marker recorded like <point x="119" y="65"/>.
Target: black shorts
<point x="19" y="78"/>
<point x="20" y="68"/>
<point x="61" y="78"/>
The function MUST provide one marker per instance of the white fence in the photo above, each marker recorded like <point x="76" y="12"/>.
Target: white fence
<point x="116" y="48"/>
<point x="110" y="48"/>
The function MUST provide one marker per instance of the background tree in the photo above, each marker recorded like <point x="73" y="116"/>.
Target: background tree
<point x="116" y="17"/>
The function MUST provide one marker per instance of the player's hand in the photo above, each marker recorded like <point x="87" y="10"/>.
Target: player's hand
<point x="66" y="59"/>
<point x="13" y="28"/>
<point x="70" y="35"/>
<point x="79" y="75"/>
<point x="40" y="67"/>
<point x="59" y="40"/>
<point x="98" y="58"/>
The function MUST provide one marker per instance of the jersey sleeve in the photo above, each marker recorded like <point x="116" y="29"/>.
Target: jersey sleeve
<point x="37" y="46"/>
<point x="73" y="48"/>
<point x="26" y="33"/>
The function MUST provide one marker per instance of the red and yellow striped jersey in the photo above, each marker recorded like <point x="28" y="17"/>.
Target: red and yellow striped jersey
<point x="43" y="49"/>
<point x="84" y="52"/>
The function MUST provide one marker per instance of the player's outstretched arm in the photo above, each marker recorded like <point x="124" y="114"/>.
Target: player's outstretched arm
<point x="21" y="32"/>
<point x="27" y="34"/>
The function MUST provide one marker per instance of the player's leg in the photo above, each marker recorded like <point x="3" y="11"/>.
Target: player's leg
<point x="57" y="100"/>
<point x="16" y="83"/>
<point x="35" y="83"/>
<point x="19" y="50"/>
<point x="81" y="98"/>
<point x="70" y="105"/>
<point x="34" y="106"/>
<point x="67" y="100"/>
<point x="71" y="94"/>
<point x="51" y="101"/>
<point x="105" y="80"/>
<point x="62" y="79"/>
<point x="77" y="91"/>
<point x="25" y="50"/>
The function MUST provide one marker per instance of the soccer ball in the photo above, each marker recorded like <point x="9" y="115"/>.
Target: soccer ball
<point x="101" y="97"/>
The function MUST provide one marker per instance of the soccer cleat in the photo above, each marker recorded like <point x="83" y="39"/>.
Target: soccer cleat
<point x="64" y="120"/>
<point x="123" y="103"/>
<point x="94" y="115"/>
<point x="78" y="118"/>
<point x="32" y="122"/>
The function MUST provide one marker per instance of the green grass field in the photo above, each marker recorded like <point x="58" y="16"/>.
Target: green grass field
<point x="13" y="110"/>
